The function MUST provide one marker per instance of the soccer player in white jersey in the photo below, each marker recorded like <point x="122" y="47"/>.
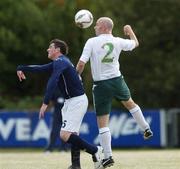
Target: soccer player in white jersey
<point x="103" y="52"/>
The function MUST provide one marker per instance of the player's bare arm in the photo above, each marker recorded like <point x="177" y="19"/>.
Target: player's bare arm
<point x="129" y="32"/>
<point x="80" y="67"/>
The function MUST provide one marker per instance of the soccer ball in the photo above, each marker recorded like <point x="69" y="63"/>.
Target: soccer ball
<point x="83" y="18"/>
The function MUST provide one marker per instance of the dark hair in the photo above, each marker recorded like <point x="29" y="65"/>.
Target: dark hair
<point x="60" y="44"/>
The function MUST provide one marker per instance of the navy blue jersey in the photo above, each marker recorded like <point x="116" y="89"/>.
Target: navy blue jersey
<point x="63" y="75"/>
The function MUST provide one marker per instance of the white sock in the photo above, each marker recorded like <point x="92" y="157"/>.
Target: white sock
<point x="138" y="116"/>
<point x="105" y="141"/>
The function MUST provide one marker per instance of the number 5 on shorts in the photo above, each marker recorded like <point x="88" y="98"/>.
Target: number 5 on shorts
<point x="64" y="124"/>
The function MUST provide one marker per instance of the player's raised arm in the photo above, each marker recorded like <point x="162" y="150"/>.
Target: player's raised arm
<point x="36" y="68"/>
<point x="129" y="32"/>
<point x="32" y="68"/>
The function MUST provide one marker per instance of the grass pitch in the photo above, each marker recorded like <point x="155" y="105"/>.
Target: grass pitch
<point x="124" y="159"/>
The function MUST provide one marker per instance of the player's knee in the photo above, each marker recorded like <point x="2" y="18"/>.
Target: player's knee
<point x="64" y="135"/>
<point x="136" y="108"/>
<point x="129" y="104"/>
<point x="104" y="130"/>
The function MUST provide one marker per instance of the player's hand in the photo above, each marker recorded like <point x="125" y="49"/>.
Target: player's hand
<point x="127" y="30"/>
<point x="42" y="110"/>
<point x="21" y="75"/>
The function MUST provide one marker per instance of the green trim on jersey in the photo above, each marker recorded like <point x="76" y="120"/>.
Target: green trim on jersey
<point x="104" y="91"/>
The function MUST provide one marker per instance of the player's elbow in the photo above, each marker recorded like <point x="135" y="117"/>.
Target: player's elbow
<point x="136" y="43"/>
<point x="64" y="135"/>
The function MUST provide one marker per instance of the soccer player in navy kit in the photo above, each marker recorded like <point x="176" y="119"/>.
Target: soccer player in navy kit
<point x="64" y="75"/>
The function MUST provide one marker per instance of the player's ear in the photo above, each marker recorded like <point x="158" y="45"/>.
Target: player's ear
<point x="58" y="49"/>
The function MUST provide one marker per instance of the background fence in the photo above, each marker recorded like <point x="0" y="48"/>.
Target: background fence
<point x="24" y="129"/>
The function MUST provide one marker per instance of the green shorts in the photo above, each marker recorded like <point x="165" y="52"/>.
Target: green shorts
<point x="104" y="91"/>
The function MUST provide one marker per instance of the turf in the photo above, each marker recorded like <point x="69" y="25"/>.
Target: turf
<point x="124" y="159"/>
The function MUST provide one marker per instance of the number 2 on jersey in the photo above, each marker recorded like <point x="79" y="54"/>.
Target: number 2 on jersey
<point x="108" y="58"/>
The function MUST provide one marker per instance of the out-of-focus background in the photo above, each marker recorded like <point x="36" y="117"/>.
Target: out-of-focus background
<point x="151" y="71"/>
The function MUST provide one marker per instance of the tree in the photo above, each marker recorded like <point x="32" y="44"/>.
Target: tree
<point x="151" y="70"/>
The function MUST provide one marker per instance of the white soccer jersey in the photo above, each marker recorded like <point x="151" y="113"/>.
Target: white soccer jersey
<point x="103" y="52"/>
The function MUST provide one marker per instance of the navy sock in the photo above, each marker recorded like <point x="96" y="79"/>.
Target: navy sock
<point x="82" y="144"/>
<point x="75" y="156"/>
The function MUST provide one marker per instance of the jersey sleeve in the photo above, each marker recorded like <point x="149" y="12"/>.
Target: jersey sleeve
<point x="127" y="44"/>
<point x="86" y="53"/>
<point x="36" y="68"/>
